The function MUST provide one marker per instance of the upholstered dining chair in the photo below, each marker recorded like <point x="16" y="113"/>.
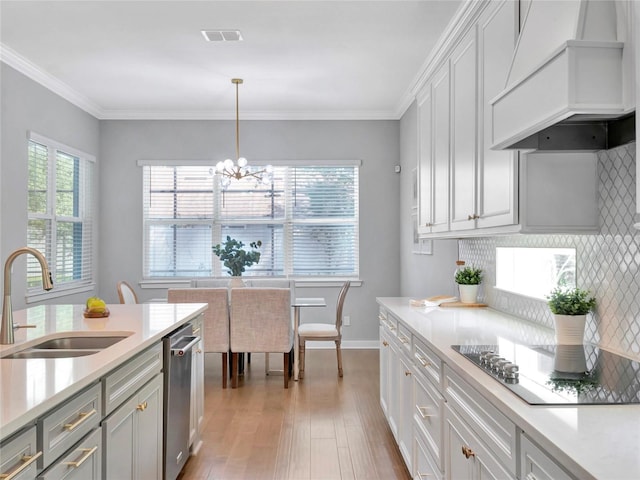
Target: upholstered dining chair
<point x="324" y="332"/>
<point x="260" y="322"/>
<point x="215" y="322"/>
<point x="126" y="293"/>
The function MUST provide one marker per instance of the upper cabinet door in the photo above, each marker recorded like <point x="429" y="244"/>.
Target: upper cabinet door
<point x="425" y="152"/>
<point x="441" y="149"/>
<point x="464" y="124"/>
<point x="497" y="169"/>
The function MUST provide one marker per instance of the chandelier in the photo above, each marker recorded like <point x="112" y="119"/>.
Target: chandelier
<point x="229" y="170"/>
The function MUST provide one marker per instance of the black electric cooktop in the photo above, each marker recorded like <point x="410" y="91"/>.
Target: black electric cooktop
<point x="559" y="374"/>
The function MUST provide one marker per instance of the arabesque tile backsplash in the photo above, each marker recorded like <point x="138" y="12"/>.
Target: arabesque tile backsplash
<point x="608" y="264"/>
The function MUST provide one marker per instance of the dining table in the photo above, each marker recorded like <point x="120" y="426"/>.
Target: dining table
<point x="298" y="304"/>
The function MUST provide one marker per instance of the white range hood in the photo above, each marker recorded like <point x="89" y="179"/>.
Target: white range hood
<point x="565" y="84"/>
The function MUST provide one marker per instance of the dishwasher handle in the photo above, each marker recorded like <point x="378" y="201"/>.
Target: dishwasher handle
<point x="179" y="349"/>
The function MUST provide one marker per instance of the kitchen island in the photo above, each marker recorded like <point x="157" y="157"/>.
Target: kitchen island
<point x="29" y="388"/>
<point x="462" y="404"/>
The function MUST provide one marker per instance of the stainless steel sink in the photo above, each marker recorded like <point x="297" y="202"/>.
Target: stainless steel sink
<point x="75" y="343"/>
<point x="33" y="353"/>
<point x="66" y="347"/>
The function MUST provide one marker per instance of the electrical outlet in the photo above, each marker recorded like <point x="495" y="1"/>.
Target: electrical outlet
<point x="346" y="320"/>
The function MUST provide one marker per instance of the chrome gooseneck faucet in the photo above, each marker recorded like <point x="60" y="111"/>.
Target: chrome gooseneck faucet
<point x="6" y="328"/>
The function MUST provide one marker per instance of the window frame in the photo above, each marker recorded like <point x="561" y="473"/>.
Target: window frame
<point x="218" y="223"/>
<point x="85" y="217"/>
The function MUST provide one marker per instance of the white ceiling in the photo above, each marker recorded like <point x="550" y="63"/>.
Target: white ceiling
<point x="300" y="59"/>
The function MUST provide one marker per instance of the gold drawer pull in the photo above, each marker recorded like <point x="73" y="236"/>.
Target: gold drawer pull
<point x="83" y="416"/>
<point x="385" y="343"/>
<point x="196" y="331"/>
<point x="198" y="350"/>
<point x="424" y="475"/>
<point x="423" y="412"/>
<point x="404" y="339"/>
<point x="530" y="476"/>
<point x="407" y="373"/>
<point x="87" y="453"/>
<point x="422" y="361"/>
<point x="142" y="406"/>
<point x="27" y="460"/>
<point x="467" y="452"/>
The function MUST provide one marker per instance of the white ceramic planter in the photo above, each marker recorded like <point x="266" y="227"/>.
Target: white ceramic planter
<point x="236" y="282"/>
<point x="570" y="358"/>
<point x="468" y="293"/>
<point x="570" y="329"/>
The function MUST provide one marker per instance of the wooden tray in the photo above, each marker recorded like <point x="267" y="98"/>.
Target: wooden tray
<point x="460" y="304"/>
<point x="88" y="314"/>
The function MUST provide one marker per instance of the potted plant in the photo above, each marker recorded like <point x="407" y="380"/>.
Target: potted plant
<point x="235" y="257"/>
<point x="570" y="307"/>
<point x="468" y="279"/>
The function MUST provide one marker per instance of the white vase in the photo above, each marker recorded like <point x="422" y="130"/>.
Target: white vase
<point x="468" y="293"/>
<point x="570" y="329"/>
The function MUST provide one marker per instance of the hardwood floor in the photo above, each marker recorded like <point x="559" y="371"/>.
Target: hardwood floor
<point x="322" y="427"/>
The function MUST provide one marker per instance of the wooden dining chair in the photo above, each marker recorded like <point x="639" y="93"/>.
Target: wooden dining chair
<point x="324" y="332"/>
<point x="261" y="322"/>
<point x="215" y="322"/>
<point x="126" y="293"/>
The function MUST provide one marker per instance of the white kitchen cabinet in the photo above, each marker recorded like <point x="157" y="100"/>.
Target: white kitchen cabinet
<point x="425" y="467"/>
<point x="197" y="388"/>
<point x="82" y="462"/>
<point x="132" y="436"/>
<point x="464" y="124"/>
<point x="385" y="359"/>
<point x="441" y="149"/>
<point x="467" y="458"/>
<point x="497" y="170"/>
<point x="19" y="455"/>
<point x="535" y="464"/>
<point x="428" y="414"/>
<point x="425" y="162"/>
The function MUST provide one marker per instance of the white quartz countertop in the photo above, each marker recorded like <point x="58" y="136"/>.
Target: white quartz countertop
<point x="30" y="387"/>
<point x="591" y="441"/>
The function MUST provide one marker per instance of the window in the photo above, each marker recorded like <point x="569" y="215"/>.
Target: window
<point x="535" y="271"/>
<point x="60" y="214"/>
<point x="306" y="219"/>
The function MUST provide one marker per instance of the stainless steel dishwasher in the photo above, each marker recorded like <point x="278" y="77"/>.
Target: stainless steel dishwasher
<point x="177" y="399"/>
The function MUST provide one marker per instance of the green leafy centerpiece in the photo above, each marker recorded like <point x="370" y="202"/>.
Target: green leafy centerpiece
<point x="235" y="257"/>
<point x="468" y="279"/>
<point x="570" y="307"/>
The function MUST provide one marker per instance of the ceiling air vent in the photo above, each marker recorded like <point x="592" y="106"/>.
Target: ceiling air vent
<point x="222" y="35"/>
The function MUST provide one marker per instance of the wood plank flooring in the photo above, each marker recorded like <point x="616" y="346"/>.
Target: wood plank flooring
<point x="322" y="427"/>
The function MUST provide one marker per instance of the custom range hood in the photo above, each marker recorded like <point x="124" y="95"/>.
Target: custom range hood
<point x="565" y="89"/>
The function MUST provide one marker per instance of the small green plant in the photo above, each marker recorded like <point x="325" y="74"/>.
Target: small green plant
<point x="235" y="258"/>
<point x="469" y="276"/>
<point x="570" y="301"/>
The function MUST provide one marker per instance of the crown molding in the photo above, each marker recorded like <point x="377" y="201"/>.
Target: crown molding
<point x="247" y="115"/>
<point x="35" y="73"/>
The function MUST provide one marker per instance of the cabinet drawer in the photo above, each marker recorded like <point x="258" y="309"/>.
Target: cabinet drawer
<point x="19" y="455"/>
<point x="496" y="430"/>
<point x="426" y="468"/>
<point x="404" y="338"/>
<point x="535" y="464"/>
<point x="62" y="428"/>
<point x="121" y="384"/>
<point x="427" y="416"/>
<point x="427" y="362"/>
<point x="83" y="462"/>
<point x="388" y="322"/>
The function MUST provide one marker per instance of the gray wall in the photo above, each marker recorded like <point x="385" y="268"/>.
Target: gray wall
<point x="376" y="143"/>
<point x="421" y="275"/>
<point x="27" y="106"/>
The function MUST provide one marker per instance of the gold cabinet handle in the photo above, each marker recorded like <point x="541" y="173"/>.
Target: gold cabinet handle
<point x="404" y="339"/>
<point x="467" y="452"/>
<point x="196" y="331"/>
<point x="198" y="350"/>
<point x="385" y="343"/>
<point x="83" y="416"/>
<point x="423" y="412"/>
<point x="423" y="475"/>
<point x="530" y="476"/>
<point x="142" y="406"/>
<point x="87" y="453"/>
<point x="407" y="373"/>
<point x="422" y="361"/>
<point x="27" y="460"/>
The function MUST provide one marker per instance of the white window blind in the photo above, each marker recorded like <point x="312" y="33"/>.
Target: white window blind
<point x="306" y="219"/>
<point x="60" y="214"/>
